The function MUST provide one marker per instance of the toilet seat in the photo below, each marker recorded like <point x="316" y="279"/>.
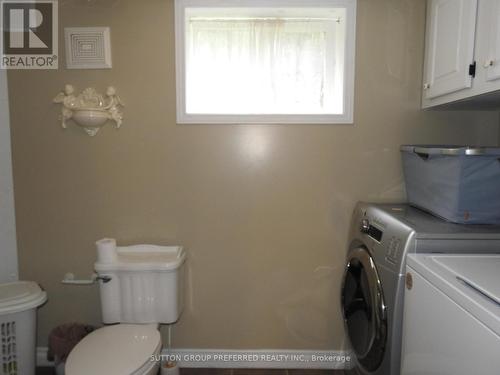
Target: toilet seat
<point x="122" y="349"/>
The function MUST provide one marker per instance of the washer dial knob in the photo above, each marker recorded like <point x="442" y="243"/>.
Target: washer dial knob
<point x="365" y="226"/>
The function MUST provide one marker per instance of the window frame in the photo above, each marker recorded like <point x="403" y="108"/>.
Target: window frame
<point x="349" y="65"/>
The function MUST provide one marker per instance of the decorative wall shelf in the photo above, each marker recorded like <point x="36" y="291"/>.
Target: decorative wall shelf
<point x="89" y="109"/>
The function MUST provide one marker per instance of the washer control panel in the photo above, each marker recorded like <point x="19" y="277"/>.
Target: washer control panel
<point x="367" y="228"/>
<point x="382" y="231"/>
<point x="393" y="248"/>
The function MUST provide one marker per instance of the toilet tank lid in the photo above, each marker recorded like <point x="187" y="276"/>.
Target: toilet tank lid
<point x="20" y="296"/>
<point x="144" y="258"/>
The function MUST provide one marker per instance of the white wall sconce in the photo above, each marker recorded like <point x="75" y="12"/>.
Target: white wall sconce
<point x="89" y="109"/>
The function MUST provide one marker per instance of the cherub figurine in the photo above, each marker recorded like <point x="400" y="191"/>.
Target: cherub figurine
<point x="68" y="100"/>
<point x="112" y="104"/>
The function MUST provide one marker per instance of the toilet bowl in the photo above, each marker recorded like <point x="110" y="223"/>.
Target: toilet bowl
<point x="140" y="287"/>
<point x="120" y="349"/>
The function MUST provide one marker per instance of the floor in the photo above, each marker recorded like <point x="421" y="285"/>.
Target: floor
<point x="192" y="371"/>
<point x="212" y="371"/>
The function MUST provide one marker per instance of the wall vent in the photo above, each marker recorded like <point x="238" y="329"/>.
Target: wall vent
<point x="88" y="48"/>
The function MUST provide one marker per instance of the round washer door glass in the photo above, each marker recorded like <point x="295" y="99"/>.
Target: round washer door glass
<point x="364" y="309"/>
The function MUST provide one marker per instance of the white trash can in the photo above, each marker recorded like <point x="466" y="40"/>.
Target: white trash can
<point x="18" y="303"/>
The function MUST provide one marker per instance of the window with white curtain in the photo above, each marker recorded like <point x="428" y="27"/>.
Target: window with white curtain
<point x="271" y="61"/>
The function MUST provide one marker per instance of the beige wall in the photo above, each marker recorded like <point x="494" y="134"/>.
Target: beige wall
<point x="262" y="210"/>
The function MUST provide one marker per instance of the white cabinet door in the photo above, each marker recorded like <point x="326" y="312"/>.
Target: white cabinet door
<point x="449" y="46"/>
<point x="491" y="57"/>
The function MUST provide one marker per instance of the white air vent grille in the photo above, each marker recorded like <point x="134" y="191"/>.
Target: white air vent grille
<point x="88" y="48"/>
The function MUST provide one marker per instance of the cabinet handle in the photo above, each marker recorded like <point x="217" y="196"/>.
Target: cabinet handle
<point x="488" y="63"/>
<point x="427" y="86"/>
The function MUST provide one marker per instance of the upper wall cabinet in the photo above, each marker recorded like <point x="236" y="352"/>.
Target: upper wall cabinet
<point x="462" y="54"/>
<point x="450" y="46"/>
<point x="488" y="47"/>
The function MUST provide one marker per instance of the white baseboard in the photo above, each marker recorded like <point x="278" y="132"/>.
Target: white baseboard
<point x="228" y="358"/>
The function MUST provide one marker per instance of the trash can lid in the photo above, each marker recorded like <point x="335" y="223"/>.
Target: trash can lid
<point x="20" y="296"/>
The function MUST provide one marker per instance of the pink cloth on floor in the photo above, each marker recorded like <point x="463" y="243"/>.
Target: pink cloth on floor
<point x="64" y="338"/>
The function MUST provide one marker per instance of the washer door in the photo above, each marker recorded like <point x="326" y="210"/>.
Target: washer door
<point x="364" y="309"/>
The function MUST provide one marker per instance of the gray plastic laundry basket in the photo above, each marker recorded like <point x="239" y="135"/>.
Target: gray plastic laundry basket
<point x="458" y="183"/>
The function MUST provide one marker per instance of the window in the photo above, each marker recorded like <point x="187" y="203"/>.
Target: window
<point x="265" y="61"/>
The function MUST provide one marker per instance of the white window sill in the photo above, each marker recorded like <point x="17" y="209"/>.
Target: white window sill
<point x="263" y="119"/>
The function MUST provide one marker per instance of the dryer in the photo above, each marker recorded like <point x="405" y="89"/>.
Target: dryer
<point x="451" y="323"/>
<point x="372" y="291"/>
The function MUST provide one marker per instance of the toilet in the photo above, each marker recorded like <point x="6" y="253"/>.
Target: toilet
<point x="140" y="288"/>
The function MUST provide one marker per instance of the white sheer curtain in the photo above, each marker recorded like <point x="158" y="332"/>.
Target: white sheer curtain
<point x="262" y="66"/>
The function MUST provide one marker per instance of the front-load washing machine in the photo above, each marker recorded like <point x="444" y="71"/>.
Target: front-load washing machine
<point x="372" y="292"/>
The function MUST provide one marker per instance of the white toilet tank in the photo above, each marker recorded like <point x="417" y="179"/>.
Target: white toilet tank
<point x="145" y="282"/>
